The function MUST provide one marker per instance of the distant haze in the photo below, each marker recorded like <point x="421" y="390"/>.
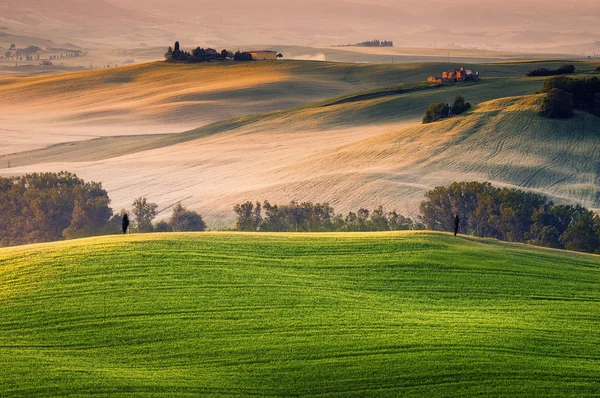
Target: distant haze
<point x="565" y="26"/>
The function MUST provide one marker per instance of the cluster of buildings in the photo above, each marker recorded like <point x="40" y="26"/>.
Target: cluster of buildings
<point x="454" y="75"/>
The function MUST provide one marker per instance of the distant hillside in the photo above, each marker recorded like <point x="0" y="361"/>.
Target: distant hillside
<point x="338" y="314"/>
<point x="165" y="98"/>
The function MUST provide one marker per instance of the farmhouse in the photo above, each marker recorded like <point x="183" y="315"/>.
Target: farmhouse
<point x="455" y="75"/>
<point x="258" y="55"/>
<point x="211" y="52"/>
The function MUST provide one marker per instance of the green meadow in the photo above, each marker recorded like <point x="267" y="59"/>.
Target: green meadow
<point x="384" y="314"/>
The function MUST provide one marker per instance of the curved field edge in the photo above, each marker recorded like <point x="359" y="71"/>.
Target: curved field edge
<point x="420" y="314"/>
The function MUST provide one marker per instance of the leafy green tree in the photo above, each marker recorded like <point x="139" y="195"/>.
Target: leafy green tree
<point x="435" y="112"/>
<point x="582" y="233"/>
<point x="557" y="104"/>
<point x="248" y="216"/>
<point x="91" y="211"/>
<point x="460" y="106"/>
<point x="184" y="220"/>
<point x="144" y="212"/>
<point x="50" y="206"/>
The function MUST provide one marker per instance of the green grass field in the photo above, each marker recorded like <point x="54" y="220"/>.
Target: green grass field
<point x="387" y="314"/>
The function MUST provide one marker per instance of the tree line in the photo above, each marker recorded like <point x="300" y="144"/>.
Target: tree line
<point x="45" y="207"/>
<point x="198" y="54"/>
<point x="562" y="70"/>
<point x="376" y="43"/>
<point x="512" y="215"/>
<point x="316" y="217"/>
<point x="563" y="94"/>
<point x="485" y="211"/>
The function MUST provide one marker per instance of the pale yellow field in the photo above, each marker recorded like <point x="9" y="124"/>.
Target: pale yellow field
<point x="158" y="98"/>
<point x="281" y="158"/>
<point x="162" y="98"/>
<point x="355" y="151"/>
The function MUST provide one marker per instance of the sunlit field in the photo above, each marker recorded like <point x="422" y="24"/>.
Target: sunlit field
<point x="419" y="314"/>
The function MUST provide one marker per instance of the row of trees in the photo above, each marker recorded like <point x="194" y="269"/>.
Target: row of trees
<point x="440" y="110"/>
<point x="197" y="55"/>
<point x="319" y="217"/>
<point x="562" y="70"/>
<point x="566" y="92"/>
<point x="376" y="43"/>
<point x="511" y="215"/>
<point x="44" y="207"/>
<point x="47" y="206"/>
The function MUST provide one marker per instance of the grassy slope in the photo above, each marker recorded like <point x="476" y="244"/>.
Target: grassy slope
<point x="419" y="314"/>
<point x="380" y="106"/>
<point x="154" y="98"/>
<point x="505" y="141"/>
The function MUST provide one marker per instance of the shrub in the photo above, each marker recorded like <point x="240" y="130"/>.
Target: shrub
<point x="460" y="106"/>
<point x="439" y="111"/>
<point x="435" y="112"/>
<point x="184" y="220"/>
<point x="557" y="104"/>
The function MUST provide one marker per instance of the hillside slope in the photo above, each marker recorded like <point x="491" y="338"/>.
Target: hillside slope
<point x="417" y="314"/>
<point x="167" y="98"/>
<point x="359" y="150"/>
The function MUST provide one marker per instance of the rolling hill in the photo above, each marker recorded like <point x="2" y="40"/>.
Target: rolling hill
<point x="358" y="150"/>
<point x="419" y="314"/>
<point x="158" y="97"/>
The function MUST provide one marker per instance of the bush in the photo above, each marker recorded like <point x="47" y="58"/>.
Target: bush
<point x="435" y="112"/>
<point x="557" y="104"/>
<point x="184" y="220"/>
<point x="460" y="106"/>
<point x="439" y="111"/>
<point x="162" y="226"/>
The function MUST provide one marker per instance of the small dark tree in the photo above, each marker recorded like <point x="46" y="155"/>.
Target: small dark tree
<point x="184" y="220"/>
<point x="144" y="213"/>
<point x="12" y="47"/>
<point x="435" y="112"/>
<point x="224" y="54"/>
<point x="198" y="53"/>
<point x="460" y="106"/>
<point x="557" y="104"/>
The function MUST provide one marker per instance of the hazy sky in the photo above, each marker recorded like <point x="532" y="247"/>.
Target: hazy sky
<point x="493" y="24"/>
